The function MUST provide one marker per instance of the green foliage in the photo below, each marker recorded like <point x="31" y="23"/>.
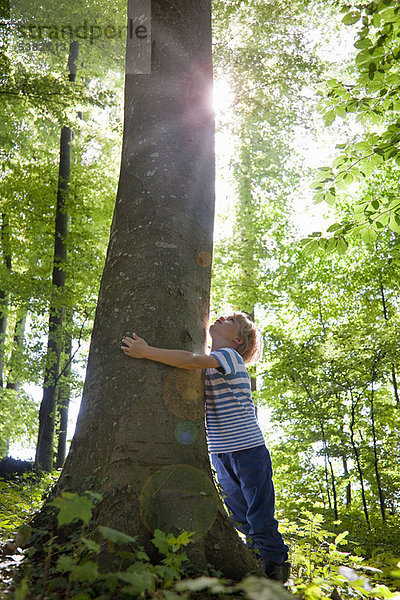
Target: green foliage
<point x="19" y="499"/>
<point x="73" y="562"/>
<point x="372" y="98"/>
<point x="326" y="561"/>
<point x="328" y="306"/>
<point x="71" y="506"/>
<point x="38" y="99"/>
<point x="323" y="561"/>
<point x="18" y="418"/>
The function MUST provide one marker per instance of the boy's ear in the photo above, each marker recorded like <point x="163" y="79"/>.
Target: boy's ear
<point x="239" y="340"/>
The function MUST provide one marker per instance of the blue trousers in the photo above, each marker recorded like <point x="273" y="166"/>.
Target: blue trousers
<point x="245" y="477"/>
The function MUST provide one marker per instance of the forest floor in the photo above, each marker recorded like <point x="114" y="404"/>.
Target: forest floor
<point x="330" y="560"/>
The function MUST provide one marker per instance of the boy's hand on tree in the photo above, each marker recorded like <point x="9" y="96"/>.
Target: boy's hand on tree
<point x="136" y="347"/>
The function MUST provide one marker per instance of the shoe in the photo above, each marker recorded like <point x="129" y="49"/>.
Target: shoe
<point x="277" y="572"/>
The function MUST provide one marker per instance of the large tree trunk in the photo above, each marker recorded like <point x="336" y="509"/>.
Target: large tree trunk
<point x="140" y="431"/>
<point x="45" y="444"/>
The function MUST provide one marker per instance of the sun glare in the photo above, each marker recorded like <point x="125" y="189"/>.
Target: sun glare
<point x="222" y="96"/>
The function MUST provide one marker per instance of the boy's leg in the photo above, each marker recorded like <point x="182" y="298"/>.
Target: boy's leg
<point x="253" y="468"/>
<point x="231" y="491"/>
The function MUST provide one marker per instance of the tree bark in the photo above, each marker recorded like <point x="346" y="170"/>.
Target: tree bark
<point x="14" y="379"/>
<point x="357" y="458"/>
<point x="329" y="462"/>
<point x="348" y="486"/>
<point x="45" y="444"/>
<point x="394" y="375"/>
<point x="64" y="389"/>
<point x="376" y="460"/>
<point x="4" y="296"/>
<point x="140" y="434"/>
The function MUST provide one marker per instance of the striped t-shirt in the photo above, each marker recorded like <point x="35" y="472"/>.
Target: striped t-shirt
<point x="231" y="421"/>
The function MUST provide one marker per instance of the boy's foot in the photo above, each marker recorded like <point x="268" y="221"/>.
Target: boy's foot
<point x="277" y="572"/>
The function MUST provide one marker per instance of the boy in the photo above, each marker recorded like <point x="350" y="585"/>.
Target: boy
<point x="235" y="441"/>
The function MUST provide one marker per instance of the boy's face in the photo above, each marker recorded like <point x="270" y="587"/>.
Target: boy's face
<point x="227" y="329"/>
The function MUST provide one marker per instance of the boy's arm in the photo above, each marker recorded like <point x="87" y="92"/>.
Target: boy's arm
<point x="136" y="347"/>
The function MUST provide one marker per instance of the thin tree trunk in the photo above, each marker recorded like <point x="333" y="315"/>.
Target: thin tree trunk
<point x="4" y="296"/>
<point x="333" y="483"/>
<point x="348" y="486"/>
<point x="357" y="458"/>
<point x="327" y="481"/>
<point x="140" y="434"/>
<point x="335" y="505"/>
<point x="393" y="369"/>
<point x="63" y="406"/>
<point x="376" y="461"/>
<point x="321" y="489"/>
<point x="14" y="379"/>
<point x="45" y="449"/>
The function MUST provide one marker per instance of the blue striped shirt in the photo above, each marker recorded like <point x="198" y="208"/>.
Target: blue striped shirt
<point x="231" y="421"/>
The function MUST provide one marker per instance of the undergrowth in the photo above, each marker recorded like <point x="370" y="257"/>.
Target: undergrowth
<point x="325" y="564"/>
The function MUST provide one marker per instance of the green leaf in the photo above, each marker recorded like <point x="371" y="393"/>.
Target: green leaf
<point x="367" y="166"/>
<point x="117" y="537"/>
<point x="363" y="146"/>
<point x="339" y="538"/>
<point x="334" y="227"/>
<point x="182" y="540"/>
<point x="368" y="236"/>
<point x="363" y="57"/>
<point x="160" y="541"/>
<point x="363" y="43"/>
<point x="341" y="111"/>
<point x="342" y="245"/>
<point x="329" y="117"/>
<point x="319" y="197"/>
<point x="394" y="223"/>
<point x="351" y="17"/>
<point x="91" y="544"/>
<point x="88" y="571"/>
<point x="139" y="583"/>
<point x="72" y="506"/>
<point x="383" y="219"/>
<point x="331" y="245"/>
<point x="65" y="563"/>
<point x="330" y="198"/>
<point x="167" y="573"/>
<point x="311" y="247"/>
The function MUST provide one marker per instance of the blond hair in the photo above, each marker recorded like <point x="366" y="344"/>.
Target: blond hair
<point x="252" y="347"/>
